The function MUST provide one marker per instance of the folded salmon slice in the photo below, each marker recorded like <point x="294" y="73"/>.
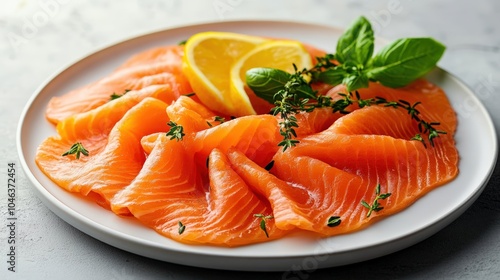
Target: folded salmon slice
<point x="294" y="205"/>
<point x="315" y="121"/>
<point x="189" y="114"/>
<point x="192" y="115"/>
<point x="169" y="190"/>
<point x="256" y="136"/>
<point x="168" y="176"/>
<point x="342" y="166"/>
<point x="159" y="66"/>
<point x="434" y="106"/>
<point x="112" y="135"/>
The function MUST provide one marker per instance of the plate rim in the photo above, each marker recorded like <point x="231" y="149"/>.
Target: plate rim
<point x="57" y="206"/>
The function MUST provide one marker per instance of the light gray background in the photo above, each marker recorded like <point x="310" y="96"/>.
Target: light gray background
<point x="48" y="248"/>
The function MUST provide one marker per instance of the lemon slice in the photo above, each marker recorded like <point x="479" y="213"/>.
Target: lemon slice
<point x="207" y="61"/>
<point x="278" y="54"/>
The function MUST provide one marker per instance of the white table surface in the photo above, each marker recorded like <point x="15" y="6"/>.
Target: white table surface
<point x="49" y="248"/>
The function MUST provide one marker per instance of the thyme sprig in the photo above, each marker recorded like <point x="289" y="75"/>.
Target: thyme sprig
<point x="375" y="206"/>
<point x="424" y="127"/>
<point x="262" y="224"/>
<point x="297" y="95"/>
<point x="76" y="149"/>
<point x="176" y="131"/>
<point x="294" y="97"/>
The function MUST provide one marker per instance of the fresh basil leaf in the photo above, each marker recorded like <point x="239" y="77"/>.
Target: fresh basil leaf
<point x="355" y="81"/>
<point x="332" y="76"/>
<point x="405" y="60"/>
<point x="266" y="82"/>
<point x="356" y="44"/>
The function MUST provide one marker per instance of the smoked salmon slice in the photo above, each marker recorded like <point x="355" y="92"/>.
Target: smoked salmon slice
<point x="315" y="121"/>
<point x="294" y="205"/>
<point x="222" y="216"/>
<point x="434" y="106"/>
<point x="256" y="136"/>
<point x="112" y="136"/>
<point x="159" y="66"/>
<point x="188" y="113"/>
<point x="168" y="173"/>
<point x="191" y="115"/>
<point x="366" y="155"/>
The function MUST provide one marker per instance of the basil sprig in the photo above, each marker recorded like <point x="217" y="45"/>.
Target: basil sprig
<point x="396" y="65"/>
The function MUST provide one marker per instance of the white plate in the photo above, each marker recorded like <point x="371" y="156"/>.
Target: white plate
<point x="476" y="141"/>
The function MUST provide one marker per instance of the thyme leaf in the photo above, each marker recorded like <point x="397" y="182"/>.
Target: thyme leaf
<point x="333" y="221"/>
<point x="176" y="131"/>
<point x="114" y="96"/>
<point x="219" y="119"/>
<point x="216" y="119"/>
<point x="182" y="228"/>
<point x="76" y="149"/>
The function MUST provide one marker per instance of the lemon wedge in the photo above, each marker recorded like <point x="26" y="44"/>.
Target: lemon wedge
<point x="207" y="61"/>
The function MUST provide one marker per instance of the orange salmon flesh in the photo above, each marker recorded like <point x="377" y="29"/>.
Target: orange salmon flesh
<point x="216" y="186"/>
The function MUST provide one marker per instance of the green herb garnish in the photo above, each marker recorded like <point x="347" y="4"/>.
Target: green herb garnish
<point x="219" y="119"/>
<point x="334" y="221"/>
<point x="182" y="228"/>
<point x="290" y="93"/>
<point x="375" y="206"/>
<point x="270" y="165"/>
<point x="263" y="220"/>
<point x="176" y="131"/>
<point x="76" y="149"/>
<point x="396" y="65"/>
<point x="423" y="126"/>
<point x="114" y="96"/>
<point x="356" y="45"/>
<point x="404" y="60"/>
